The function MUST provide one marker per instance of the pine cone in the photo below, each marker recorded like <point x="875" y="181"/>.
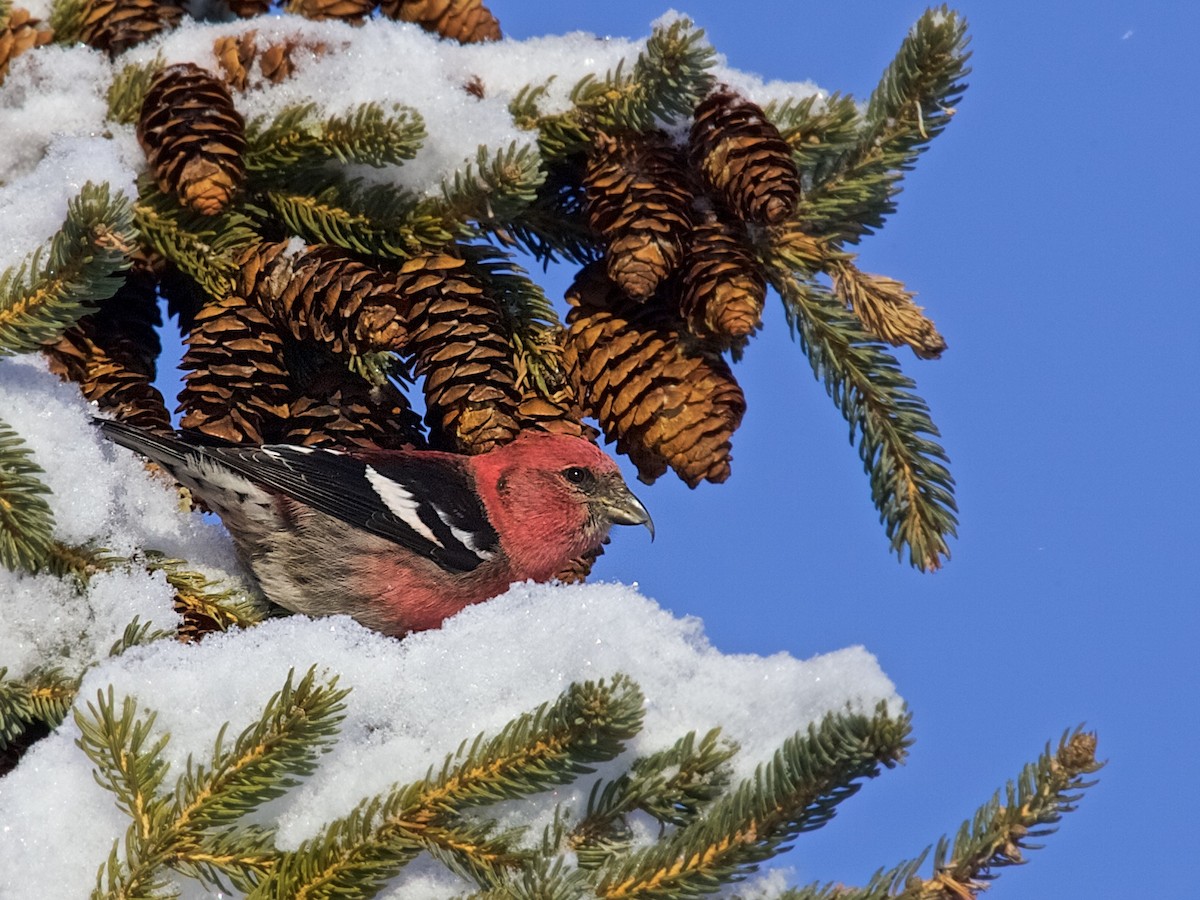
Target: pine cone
<point x="667" y="400"/>
<point x="20" y="33"/>
<point x="237" y="387"/>
<point x="466" y="21"/>
<point x="326" y="295"/>
<point x="342" y="409"/>
<point x="742" y="158"/>
<point x="193" y="138"/>
<point x="346" y="10"/>
<point x="580" y="568"/>
<point x="638" y="201"/>
<point x="112" y="354"/>
<point x="235" y="55"/>
<point x="276" y="63"/>
<point x="459" y="345"/>
<point x="721" y="288"/>
<point x="117" y="25"/>
<point x="557" y="414"/>
<point x="248" y="9"/>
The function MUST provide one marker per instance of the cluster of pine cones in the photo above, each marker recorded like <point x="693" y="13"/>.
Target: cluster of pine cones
<point x="674" y="287"/>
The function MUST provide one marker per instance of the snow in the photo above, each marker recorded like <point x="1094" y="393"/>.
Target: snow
<point x="412" y="702"/>
<point x="102" y="497"/>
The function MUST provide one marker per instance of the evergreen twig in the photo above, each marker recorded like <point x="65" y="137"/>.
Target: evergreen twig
<point x="367" y="134"/>
<point x="193" y="827"/>
<point x="673" y="786"/>
<point x="375" y="220"/>
<point x="910" y="484"/>
<point x="26" y="521"/>
<point x="529" y="318"/>
<point x="996" y="836"/>
<point x="60" y="282"/>
<point x="664" y="83"/>
<point x="798" y="790"/>
<point x="199" y="597"/>
<point x="912" y="104"/>
<point x="493" y="189"/>
<point x="44" y="695"/>
<point x="820" y="131"/>
<point x="205" y="248"/>
<point x="128" y="89"/>
<point x="546" y="747"/>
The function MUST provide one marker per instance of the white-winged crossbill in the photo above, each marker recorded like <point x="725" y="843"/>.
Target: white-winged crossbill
<point x="399" y="539"/>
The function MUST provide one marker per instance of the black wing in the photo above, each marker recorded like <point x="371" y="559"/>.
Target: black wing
<point x="426" y="504"/>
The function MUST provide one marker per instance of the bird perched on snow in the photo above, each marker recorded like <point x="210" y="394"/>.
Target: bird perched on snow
<point x="399" y="539"/>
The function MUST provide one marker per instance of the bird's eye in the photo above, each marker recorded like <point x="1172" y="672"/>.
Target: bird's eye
<point x="575" y="475"/>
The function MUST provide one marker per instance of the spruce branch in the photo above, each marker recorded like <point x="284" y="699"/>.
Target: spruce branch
<point x="1000" y="832"/>
<point x="198" y="597"/>
<point x="78" y="562"/>
<point x="60" y="282"/>
<point x="673" y="786"/>
<point x="798" y="790"/>
<point x="67" y="20"/>
<point x="26" y="522"/>
<point x="138" y="633"/>
<point x="549" y="746"/>
<point x="205" y="248"/>
<point x="996" y="836"/>
<point x="493" y="189"/>
<point x="663" y="84"/>
<point x="296" y="726"/>
<point x="128" y="89"/>
<point x="819" y="130"/>
<point x="297" y="136"/>
<point x="128" y="759"/>
<point x="193" y="827"/>
<point x="44" y="695"/>
<point x="373" y="220"/>
<point x="529" y="318"/>
<point x="913" y="103"/>
<point x="910" y="484"/>
<point x="553" y="226"/>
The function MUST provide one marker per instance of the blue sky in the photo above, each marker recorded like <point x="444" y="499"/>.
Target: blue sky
<point x="1050" y="234"/>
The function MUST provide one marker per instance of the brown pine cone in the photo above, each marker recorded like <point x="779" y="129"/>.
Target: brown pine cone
<point x="346" y="10"/>
<point x="237" y="384"/>
<point x="580" y="568"/>
<point x="235" y="55"/>
<point x="721" y="288"/>
<point x="341" y="409"/>
<point x="638" y="201"/>
<point x="667" y="399"/>
<point x="112" y="354"/>
<point x="248" y="9"/>
<point x="20" y="33"/>
<point x="743" y="159"/>
<point x="466" y="21"/>
<point x="193" y="138"/>
<point x="557" y="414"/>
<point x="117" y="25"/>
<point x="459" y="345"/>
<point x="324" y="294"/>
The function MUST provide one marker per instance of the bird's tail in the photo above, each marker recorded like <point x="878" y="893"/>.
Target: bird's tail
<point x="168" y="451"/>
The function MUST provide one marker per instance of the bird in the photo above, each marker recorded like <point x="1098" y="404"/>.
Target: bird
<point x="398" y="539"/>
